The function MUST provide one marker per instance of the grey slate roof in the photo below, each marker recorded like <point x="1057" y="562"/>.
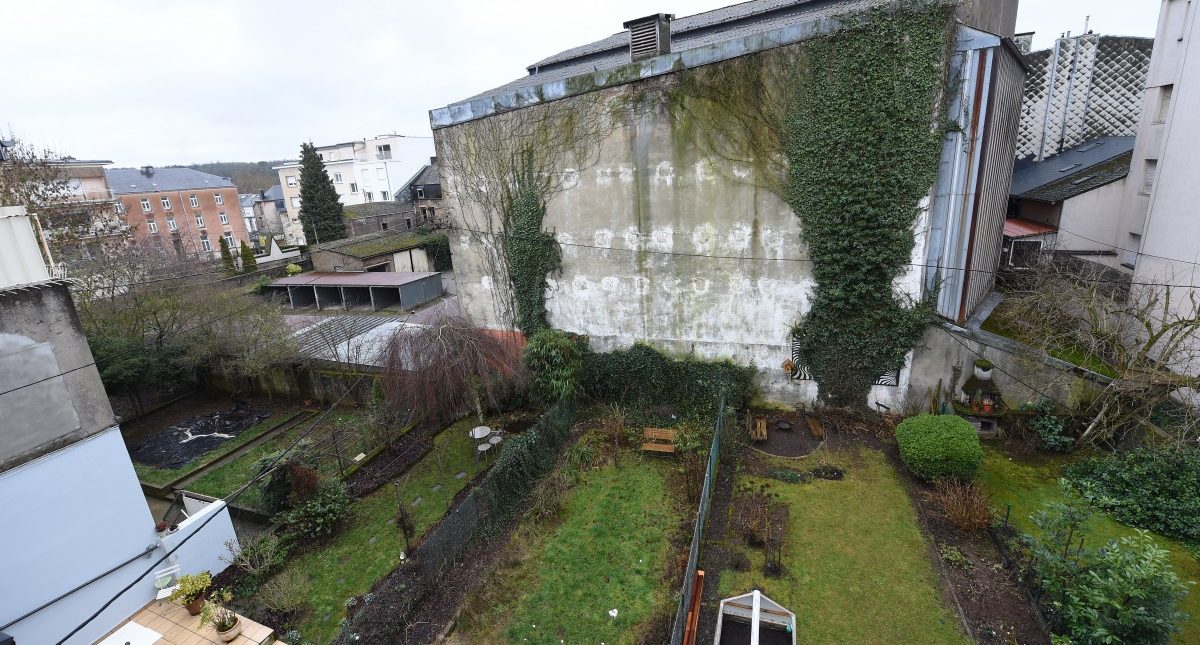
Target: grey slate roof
<point x="127" y="181"/>
<point x="274" y="193"/>
<point x="688" y="32"/>
<point x="1074" y="171"/>
<point x="427" y="176"/>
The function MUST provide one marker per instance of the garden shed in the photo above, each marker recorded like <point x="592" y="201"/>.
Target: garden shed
<point x="754" y="619"/>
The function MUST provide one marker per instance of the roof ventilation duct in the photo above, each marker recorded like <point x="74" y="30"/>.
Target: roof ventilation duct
<point x="649" y="36"/>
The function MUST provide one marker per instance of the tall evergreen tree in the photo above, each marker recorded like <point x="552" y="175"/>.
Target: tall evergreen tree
<point x="320" y="209"/>
<point x="227" y="263"/>
<point x="249" y="263"/>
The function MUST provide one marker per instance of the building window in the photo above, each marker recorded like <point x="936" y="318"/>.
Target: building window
<point x="166" y="203"/>
<point x="353" y="187"/>
<point x="408" y="222"/>
<point x="1164" y="102"/>
<point x="251" y="224"/>
<point x="431" y="213"/>
<point x="337" y="177"/>
<point x="194" y="201"/>
<point x="229" y="240"/>
<point x="321" y="156"/>
<point x="420" y="193"/>
<point x="205" y="244"/>
<point x="1024" y="253"/>
<point x="224" y="217"/>
<point x="291" y="180"/>
<point x="171" y="225"/>
<point x="152" y="225"/>
<point x="199" y="220"/>
<point x="295" y="202"/>
<point x="369" y="197"/>
<point x="383" y="151"/>
<point x="1131" y="253"/>
<point x="218" y="198"/>
<point x="1149" y="175"/>
<point x="120" y="208"/>
<point x="379" y="174"/>
<point x="145" y="206"/>
<point x="383" y="225"/>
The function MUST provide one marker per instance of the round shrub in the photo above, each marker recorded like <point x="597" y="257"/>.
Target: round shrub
<point x="939" y="446"/>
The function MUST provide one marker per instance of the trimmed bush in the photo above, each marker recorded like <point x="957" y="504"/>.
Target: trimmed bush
<point x="642" y="375"/>
<point x="1147" y="488"/>
<point x="939" y="447"/>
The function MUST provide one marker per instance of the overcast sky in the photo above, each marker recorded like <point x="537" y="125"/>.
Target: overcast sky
<point x="153" y="82"/>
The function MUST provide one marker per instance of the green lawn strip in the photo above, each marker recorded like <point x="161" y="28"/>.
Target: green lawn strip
<point x="369" y="547"/>
<point x="607" y="553"/>
<point x="164" y="476"/>
<point x="856" y="565"/>
<point x="1029" y="483"/>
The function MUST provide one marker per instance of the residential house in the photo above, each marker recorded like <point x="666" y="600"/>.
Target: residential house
<point x="648" y="226"/>
<point x="77" y="529"/>
<point x="1070" y="202"/>
<point x="266" y="208"/>
<point x="388" y="250"/>
<point x="393" y="215"/>
<point x="1085" y="87"/>
<point x="362" y="171"/>
<point x="1158" y="229"/>
<point x="180" y="208"/>
<point x="424" y="193"/>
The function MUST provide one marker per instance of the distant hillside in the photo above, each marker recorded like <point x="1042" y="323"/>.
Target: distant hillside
<point x="250" y="176"/>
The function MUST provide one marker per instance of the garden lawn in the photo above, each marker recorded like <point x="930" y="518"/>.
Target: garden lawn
<point x="1029" y="483"/>
<point x="228" y="478"/>
<point x="369" y="547"/>
<point x="557" y="581"/>
<point x="163" y="476"/>
<point x="856" y="566"/>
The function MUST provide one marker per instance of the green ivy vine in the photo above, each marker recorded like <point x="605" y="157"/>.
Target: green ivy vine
<point x="530" y="252"/>
<point x="847" y="129"/>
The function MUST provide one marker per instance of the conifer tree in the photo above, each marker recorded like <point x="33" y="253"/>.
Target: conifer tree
<point x="320" y="209"/>
<point x="227" y="263"/>
<point x="249" y="264"/>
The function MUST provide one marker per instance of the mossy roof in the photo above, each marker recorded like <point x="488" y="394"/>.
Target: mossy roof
<point x="380" y="243"/>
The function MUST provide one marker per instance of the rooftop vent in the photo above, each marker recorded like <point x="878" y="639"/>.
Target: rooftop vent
<point x="649" y="36"/>
<point x="148" y="171"/>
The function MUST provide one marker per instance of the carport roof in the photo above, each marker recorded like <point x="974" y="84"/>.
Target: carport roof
<point x="352" y="279"/>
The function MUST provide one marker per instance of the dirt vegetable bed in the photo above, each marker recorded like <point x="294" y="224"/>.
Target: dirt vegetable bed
<point x="180" y="443"/>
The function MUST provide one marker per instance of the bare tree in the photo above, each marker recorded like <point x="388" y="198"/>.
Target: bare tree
<point x="450" y="368"/>
<point x="1144" y="336"/>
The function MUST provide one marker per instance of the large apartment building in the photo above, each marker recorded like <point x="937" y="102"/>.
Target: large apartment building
<point x="181" y="208"/>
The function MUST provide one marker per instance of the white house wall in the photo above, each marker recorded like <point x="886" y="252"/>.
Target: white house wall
<point x="1094" y="215"/>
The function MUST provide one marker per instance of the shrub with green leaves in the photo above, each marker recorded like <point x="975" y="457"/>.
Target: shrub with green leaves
<point x="555" y="361"/>
<point x="1050" y="428"/>
<point x="1123" y="592"/>
<point x="939" y="447"/>
<point x="642" y="375"/>
<point x="1146" y="488"/>
<point x="321" y="515"/>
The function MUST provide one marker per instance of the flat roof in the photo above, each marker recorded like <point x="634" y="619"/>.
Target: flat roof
<point x="353" y="279"/>
<point x="1018" y="227"/>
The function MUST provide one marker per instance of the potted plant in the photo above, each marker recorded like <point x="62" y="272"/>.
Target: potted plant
<point x="223" y="619"/>
<point x="190" y="591"/>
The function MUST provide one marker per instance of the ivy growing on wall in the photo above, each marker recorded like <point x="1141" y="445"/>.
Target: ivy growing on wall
<point x="845" y="128"/>
<point x="530" y="252"/>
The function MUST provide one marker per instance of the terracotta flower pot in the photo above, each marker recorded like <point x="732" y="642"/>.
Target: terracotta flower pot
<point x="195" y="606"/>
<point x="232" y="633"/>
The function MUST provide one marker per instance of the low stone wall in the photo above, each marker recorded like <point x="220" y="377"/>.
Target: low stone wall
<point x="298" y="382"/>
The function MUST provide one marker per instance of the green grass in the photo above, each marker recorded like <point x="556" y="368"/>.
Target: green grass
<point x="856" y="566"/>
<point x="1029" y="483"/>
<point x="163" y="476"/>
<point x="557" y="581"/>
<point x="370" y="545"/>
<point x="999" y="324"/>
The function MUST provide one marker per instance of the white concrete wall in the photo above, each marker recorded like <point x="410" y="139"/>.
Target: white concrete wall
<point x="1095" y="214"/>
<point x="73" y="514"/>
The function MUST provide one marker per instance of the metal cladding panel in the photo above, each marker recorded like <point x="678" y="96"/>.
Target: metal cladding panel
<point x="1085" y="87"/>
<point x="995" y="176"/>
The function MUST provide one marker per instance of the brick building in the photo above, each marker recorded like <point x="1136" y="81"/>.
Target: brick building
<point x="181" y="208"/>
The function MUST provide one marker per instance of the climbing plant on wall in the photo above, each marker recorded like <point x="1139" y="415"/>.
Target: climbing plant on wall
<point x="504" y="170"/>
<point x="846" y="128"/>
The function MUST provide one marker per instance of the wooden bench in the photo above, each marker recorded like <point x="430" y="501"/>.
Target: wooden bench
<point x="659" y="440"/>
<point x="759" y="431"/>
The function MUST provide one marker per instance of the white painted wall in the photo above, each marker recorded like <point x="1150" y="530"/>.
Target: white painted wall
<point x="71" y="515"/>
<point x="1095" y="214"/>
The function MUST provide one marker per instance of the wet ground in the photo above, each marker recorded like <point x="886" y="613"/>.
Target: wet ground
<point x="194" y="436"/>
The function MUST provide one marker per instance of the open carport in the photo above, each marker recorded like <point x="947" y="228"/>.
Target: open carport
<point x="346" y="290"/>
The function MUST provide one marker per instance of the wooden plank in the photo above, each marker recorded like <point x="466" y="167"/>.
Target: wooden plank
<point x="658" y="447"/>
<point x="659" y="433"/>
<point x="693" y="618"/>
<point x="814" y="427"/>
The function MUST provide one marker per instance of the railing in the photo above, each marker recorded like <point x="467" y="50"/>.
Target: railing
<point x="689" y="576"/>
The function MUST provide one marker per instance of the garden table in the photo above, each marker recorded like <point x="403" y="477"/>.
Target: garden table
<point x="480" y="432"/>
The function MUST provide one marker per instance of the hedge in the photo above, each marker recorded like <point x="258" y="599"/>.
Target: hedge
<point x="642" y="375"/>
<point x="939" y="446"/>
